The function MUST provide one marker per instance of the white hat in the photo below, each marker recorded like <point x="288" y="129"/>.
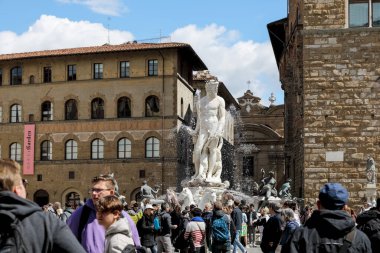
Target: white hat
<point x="149" y="206"/>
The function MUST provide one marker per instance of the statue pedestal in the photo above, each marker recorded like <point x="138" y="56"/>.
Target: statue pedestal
<point x="370" y="193"/>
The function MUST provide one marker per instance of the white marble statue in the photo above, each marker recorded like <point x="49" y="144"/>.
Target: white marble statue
<point x="208" y="197"/>
<point x="171" y="198"/>
<point x="210" y="126"/>
<point x="186" y="197"/>
<point x="371" y="170"/>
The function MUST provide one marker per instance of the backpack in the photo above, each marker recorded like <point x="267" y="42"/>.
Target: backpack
<point x="157" y="223"/>
<point x="10" y="234"/>
<point x="220" y="231"/>
<point x="65" y="215"/>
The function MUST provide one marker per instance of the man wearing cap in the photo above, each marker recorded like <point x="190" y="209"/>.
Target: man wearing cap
<point x="369" y="223"/>
<point x="146" y="226"/>
<point x="330" y="228"/>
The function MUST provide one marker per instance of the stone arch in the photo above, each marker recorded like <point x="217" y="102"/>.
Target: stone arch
<point x="120" y="95"/>
<point x="136" y="194"/>
<point x="152" y="134"/>
<point x="155" y="94"/>
<point x="75" y="138"/>
<point x="121" y="135"/>
<point x="94" y="137"/>
<point x="77" y="102"/>
<point x="89" y="104"/>
<point x="41" y="197"/>
<point x="265" y="130"/>
<point x="73" y="196"/>
<point x="32" y="79"/>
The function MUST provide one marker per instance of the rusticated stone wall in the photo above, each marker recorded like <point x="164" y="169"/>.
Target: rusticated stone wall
<point x="341" y="107"/>
<point x="331" y="78"/>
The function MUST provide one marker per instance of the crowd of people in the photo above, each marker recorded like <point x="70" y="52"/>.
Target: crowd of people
<point x="106" y="224"/>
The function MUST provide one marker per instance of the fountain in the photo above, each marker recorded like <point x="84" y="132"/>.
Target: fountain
<point x="203" y="183"/>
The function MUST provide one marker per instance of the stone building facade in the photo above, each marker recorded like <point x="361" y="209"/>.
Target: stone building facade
<point x="328" y="55"/>
<point x="110" y="108"/>
<point x="259" y="141"/>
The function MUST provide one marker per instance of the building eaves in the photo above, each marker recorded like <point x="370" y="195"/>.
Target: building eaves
<point x="130" y="46"/>
<point x="276" y="31"/>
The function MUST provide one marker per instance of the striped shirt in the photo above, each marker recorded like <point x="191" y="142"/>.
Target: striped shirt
<point x="197" y="231"/>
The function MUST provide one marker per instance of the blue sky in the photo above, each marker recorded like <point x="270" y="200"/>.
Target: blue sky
<point x="230" y="36"/>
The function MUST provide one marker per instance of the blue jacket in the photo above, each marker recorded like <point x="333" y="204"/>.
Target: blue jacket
<point x="290" y="227"/>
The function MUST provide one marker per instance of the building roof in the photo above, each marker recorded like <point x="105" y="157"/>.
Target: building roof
<point x="107" y="48"/>
<point x="276" y="31"/>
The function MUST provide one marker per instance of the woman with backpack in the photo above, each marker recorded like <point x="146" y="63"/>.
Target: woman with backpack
<point x="221" y="239"/>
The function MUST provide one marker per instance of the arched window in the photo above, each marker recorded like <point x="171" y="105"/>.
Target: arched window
<point x="124" y="107"/>
<point x="71" y="150"/>
<point x="46" y="111"/>
<point x="15" y="113"/>
<point x="124" y="148"/>
<point x="97" y="108"/>
<point x="16" y="75"/>
<point x="31" y="79"/>
<point x="71" y="110"/>
<point x="97" y="149"/>
<point x="15" y="151"/>
<point x="46" y="151"/>
<point x="152" y="147"/>
<point x="152" y="106"/>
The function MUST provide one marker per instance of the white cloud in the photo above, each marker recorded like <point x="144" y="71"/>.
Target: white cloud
<point x="50" y="32"/>
<point x="105" y="7"/>
<point x="234" y="62"/>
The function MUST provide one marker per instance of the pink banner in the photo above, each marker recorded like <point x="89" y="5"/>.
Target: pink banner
<point x="28" y="154"/>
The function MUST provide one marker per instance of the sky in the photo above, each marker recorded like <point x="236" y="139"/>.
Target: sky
<point x="230" y="37"/>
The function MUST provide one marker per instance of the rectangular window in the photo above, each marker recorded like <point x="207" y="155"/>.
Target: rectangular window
<point x="39" y="177"/>
<point x="375" y="13"/>
<point x="124" y="69"/>
<point x="1" y="77"/>
<point x="142" y="174"/>
<point x="71" y="174"/>
<point x="98" y="70"/>
<point x="71" y="72"/>
<point x="152" y="67"/>
<point x="364" y="13"/>
<point x="16" y="75"/>
<point x="248" y="166"/>
<point x="47" y="74"/>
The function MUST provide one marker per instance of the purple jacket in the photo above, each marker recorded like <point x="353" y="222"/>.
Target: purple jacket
<point x="93" y="234"/>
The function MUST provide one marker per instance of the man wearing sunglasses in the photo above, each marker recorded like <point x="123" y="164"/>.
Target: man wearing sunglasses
<point x="83" y="222"/>
<point x="24" y="226"/>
